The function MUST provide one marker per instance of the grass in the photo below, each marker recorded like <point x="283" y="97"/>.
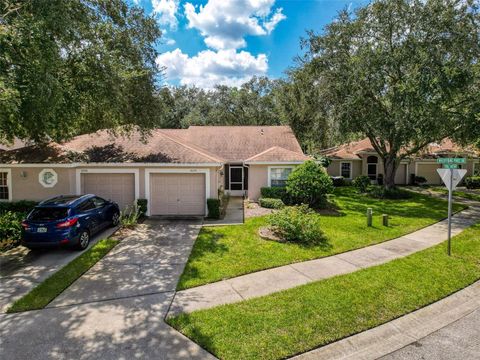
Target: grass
<point x="229" y="251"/>
<point x="45" y="292"/>
<point x="303" y="318"/>
<point x="458" y="193"/>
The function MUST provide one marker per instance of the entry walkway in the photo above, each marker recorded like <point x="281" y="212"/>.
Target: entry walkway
<point x="281" y="278"/>
<point x="233" y="213"/>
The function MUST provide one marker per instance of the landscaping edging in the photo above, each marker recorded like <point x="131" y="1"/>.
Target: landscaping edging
<point x="403" y="331"/>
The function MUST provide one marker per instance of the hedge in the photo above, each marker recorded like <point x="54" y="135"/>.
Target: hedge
<point x="273" y="192"/>
<point x="472" y="182"/>
<point x="213" y="208"/>
<point x="270" y="203"/>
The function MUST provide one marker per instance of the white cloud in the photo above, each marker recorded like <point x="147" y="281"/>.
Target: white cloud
<point x="208" y="67"/>
<point x="225" y="23"/>
<point x="169" y="41"/>
<point x="166" y="12"/>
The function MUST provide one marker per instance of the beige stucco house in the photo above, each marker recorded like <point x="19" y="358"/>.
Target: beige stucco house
<point x="176" y="170"/>
<point x="359" y="158"/>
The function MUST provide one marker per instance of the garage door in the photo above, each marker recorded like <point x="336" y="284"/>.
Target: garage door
<point x="177" y="194"/>
<point x="117" y="187"/>
<point x="400" y="175"/>
<point x="429" y="172"/>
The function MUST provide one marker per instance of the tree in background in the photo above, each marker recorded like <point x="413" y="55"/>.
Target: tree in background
<point x="70" y="67"/>
<point x="404" y="73"/>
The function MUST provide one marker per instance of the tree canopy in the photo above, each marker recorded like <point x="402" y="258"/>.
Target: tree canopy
<point x="69" y="67"/>
<point x="405" y="73"/>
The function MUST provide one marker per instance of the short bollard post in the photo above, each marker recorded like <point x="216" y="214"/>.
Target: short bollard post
<point x="369" y="216"/>
<point x="385" y="219"/>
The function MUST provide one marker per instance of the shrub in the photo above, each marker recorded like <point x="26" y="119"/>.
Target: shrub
<point x="23" y="206"/>
<point x="10" y="228"/>
<point x="213" y="206"/>
<point x="420" y="180"/>
<point x="472" y="182"/>
<point x="381" y="192"/>
<point x="270" y="203"/>
<point x="297" y="224"/>
<point x="338" y="181"/>
<point x="129" y="217"/>
<point x="273" y="192"/>
<point x="380" y="179"/>
<point x="309" y="184"/>
<point x="142" y="205"/>
<point x="362" y="183"/>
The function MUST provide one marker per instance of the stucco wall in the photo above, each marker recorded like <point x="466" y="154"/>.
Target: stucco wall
<point x="27" y="187"/>
<point x="334" y="168"/>
<point x="257" y="178"/>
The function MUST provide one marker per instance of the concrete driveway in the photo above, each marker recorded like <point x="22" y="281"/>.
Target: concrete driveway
<point x="22" y="269"/>
<point x="117" y="309"/>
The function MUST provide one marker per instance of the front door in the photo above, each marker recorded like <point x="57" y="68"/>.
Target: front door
<point x="236" y="180"/>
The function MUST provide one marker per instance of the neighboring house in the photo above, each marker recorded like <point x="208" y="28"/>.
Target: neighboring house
<point x="359" y="158"/>
<point x="176" y="170"/>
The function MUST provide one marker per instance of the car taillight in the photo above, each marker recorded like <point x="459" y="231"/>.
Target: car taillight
<point x="25" y="225"/>
<point x="68" y="223"/>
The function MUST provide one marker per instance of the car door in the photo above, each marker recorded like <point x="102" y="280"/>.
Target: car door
<point x="89" y="213"/>
<point x="101" y="208"/>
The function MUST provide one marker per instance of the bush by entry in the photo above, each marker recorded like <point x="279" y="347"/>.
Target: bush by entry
<point x="229" y="251"/>
<point x="303" y="318"/>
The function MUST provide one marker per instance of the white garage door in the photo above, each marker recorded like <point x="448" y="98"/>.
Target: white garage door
<point x="400" y="176"/>
<point x="177" y="194"/>
<point x="429" y="172"/>
<point x="117" y="187"/>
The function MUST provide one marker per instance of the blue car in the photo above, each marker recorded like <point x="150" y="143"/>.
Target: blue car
<point x="68" y="221"/>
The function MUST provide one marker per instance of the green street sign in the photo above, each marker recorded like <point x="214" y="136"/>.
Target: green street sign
<point x="451" y="161"/>
<point x="450" y="166"/>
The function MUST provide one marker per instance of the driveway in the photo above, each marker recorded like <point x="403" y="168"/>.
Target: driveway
<point x="21" y="269"/>
<point x="116" y="309"/>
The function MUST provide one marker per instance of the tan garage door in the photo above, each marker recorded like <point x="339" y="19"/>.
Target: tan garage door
<point x="117" y="187"/>
<point x="429" y="172"/>
<point x="400" y="175"/>
<point x="177" y="194"/>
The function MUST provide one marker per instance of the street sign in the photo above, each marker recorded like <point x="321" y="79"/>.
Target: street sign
<point x="450" y="166"/>
<point x="451" y="160"/>
<point x="451" y="177"/>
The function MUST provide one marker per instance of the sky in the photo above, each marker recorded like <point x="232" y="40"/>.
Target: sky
<point x="209" y="42"/>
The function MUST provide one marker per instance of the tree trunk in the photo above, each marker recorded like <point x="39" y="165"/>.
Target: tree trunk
<point x="390" y="165"/>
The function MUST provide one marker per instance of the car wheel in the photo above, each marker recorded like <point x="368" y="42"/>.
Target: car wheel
<point x="83" y="240"/>
<point x="116" y="219"/>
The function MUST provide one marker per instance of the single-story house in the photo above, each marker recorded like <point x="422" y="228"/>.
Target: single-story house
<point x="360" y="158"/>
<point x="176" y="170"/>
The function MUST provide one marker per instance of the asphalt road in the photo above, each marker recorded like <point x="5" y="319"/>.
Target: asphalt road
<point x="457" y="341"/>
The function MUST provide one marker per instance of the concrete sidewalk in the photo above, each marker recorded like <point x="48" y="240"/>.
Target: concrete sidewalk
<point x="401" y="332"/>
<point x="281" y="278"/>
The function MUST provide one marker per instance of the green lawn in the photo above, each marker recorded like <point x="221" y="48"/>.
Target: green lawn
<point x="459" y="193"/>
<point x="300" y="319"/>
<point x="229" y="251"/>
<point x="49" y="289"/>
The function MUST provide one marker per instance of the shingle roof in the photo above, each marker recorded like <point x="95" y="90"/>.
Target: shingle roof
<point x="102" y="146"/>
<point x="197" y="144"/>
<point x="17" y="144"/>
<point x="238" y="143"/>
<point x="354" y="149"/>
<point x="277" y="153"/>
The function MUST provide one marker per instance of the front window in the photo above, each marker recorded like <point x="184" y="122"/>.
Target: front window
<point x="4" y="191"/>
<point x="279" y="176"/>
<point x="346" y="170"/>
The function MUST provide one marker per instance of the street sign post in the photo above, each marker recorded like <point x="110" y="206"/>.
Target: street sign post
<point x="450" y="177"/>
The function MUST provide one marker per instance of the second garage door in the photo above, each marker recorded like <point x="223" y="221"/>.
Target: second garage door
<point x="116" y="187"/>
<point x="177" y="194"/>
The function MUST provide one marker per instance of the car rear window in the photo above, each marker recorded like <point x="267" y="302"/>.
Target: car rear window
<point x="48" y="214"/>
